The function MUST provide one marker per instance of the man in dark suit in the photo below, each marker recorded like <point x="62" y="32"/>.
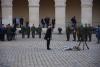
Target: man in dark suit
<point x="48" y="36"/>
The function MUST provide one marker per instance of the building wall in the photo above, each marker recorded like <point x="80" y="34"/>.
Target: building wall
<point x="0" y="8"/>
<point x="47" y="8"/>
<point x="73" y="8"/>
<point x="96" y="12"/>
<point x="20" y="9"/>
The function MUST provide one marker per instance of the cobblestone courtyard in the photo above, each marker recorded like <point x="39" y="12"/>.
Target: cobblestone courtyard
<point x="32" y="53"/>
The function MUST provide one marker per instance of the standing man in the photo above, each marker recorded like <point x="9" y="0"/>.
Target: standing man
<point x="33" y="31"/>
<point x="74" y="34"/>
<point x="23" y="31"/>
<point x="53" y="23"/>
<point x="68" y="32"/>
<point x="9" y="32"/>
<point x="28" y="31"/>
<point x="98" y="34"/>
<point x="90" y="32"/>
<point x="39" y="31"/>
<point x="74" y="22"/>
<point x="48" y="36"/>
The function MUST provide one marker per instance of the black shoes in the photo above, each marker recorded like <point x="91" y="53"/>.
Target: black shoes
<point x="48" y="48"/>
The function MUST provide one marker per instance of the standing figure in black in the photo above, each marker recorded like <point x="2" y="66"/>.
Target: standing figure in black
<point x="23" y="31"/>
<point x="39" y="31"/>
<point x="74" y="22"/>
<point x="90" y="32"/>
<point x="68" y="32"/>
<point x="74" y="34"/>
<point x="9" y="32"/>
<point x="48" y="36"/>
<point x="28" y="31"/>
<point x="83" y="38"/>
<point x="33" y="29"/>
<point x="53" y="23"/>
<point x="43" y="23"/>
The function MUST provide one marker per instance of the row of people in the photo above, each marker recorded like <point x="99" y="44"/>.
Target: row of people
<point x="79" y="31"/>
<point x="26" y="30"/>
<point x="8" y="31"/>
<point x="46" y="21"/>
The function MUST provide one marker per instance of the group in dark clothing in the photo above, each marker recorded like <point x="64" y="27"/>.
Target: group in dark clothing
<point x="8" y="31"/>
<point x="46" y="21"/>
<point x="80" y="33"/>
<point x="26" y="30"/>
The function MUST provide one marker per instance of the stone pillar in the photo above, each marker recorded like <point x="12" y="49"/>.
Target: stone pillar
<point x="60" y="6"/>
<point x="34" y="12"/>
<point x="6" y="11"/>
<point x="86" y="11"/>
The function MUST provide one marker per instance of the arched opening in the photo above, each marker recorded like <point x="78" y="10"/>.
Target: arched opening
<point x="20" y="12"/>
<point x="96" y="12"/>
<point x="0" y="13"/>
<point x="47" y="9"/>
<point x="73" y="8"/>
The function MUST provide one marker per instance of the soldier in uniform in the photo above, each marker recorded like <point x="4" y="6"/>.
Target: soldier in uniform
<point x="23" y="31"/>
<point x="28" y="31"/>
<point x="9" y="32"/>
<point x="39" y="31"/>
<point x="89" y="32"/>
<point x="68" y="32"/>
<point x="74" y="34"/>
<point x="79" y="32"/>
<point x="83" y="37"/>
<point x="33" y="29"/>
<point x="86" y="32"/>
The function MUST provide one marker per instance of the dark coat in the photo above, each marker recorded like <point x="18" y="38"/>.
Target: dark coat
<point x="48" y="34"/>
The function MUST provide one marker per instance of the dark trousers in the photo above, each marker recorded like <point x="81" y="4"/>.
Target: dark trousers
<point x="74" y="36"/>
<point x="68" y="36"/>
<point x="48" y="44"/>
<point x="28" y="35"/>
<point x="2" y="37"/>
<point x="90" y="35"/>
<point x="9" y="36"/>
<point x="23" y="35"/>
<point x="33" y="34"/>
<point x="39" y="35"/>
<point x="84" y="43"/>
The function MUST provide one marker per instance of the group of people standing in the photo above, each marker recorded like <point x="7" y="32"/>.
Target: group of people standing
<point x="46" y="21"/>
<point x="27" y="30"/>
<point x="80" y="32"/>
<point x="7" y="33"/>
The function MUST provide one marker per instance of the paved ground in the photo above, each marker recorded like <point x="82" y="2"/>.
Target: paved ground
<point x="33" y="53"/>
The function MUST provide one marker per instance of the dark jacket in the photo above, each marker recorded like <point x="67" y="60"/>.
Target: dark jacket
<point x="48" y="34"/>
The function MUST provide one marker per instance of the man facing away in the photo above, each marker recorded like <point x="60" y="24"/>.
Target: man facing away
<point x="48" y="36"/>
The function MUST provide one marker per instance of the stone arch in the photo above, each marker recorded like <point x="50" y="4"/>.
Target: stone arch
<point x="21" y="9"/>
<point x="47" y="9"/>
<point x="73" y="8"/>
<point x="96" y="12"/>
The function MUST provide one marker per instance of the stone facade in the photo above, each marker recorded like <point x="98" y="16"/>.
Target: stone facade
<point x="60" y="12"/>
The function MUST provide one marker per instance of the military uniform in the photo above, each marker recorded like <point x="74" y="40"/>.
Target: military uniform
<point x="74" y="34"/>
<point x="23" y="31"/>
<point x="9" y="32"/>
<point x="68" y="32"/>
<point x="79" y="33"/>
<point x="83" y="37"/>
<point x="89" y="33"/>
<point x="28" y="31"/>
<point x="33" y="29"/>
<point x="39" y="31"/>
